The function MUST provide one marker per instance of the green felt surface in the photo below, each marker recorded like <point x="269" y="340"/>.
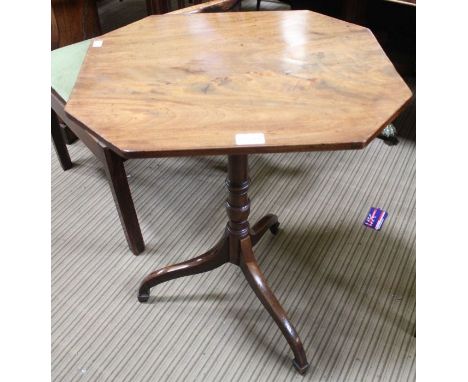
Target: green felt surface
<point x="66" y="64"/>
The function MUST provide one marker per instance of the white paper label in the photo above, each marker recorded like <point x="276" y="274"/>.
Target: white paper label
<point x="250" y="139"/>
<point x="97" y="43"/>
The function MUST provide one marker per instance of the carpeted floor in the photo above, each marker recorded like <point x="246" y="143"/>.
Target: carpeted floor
<point x="350" y="291"/>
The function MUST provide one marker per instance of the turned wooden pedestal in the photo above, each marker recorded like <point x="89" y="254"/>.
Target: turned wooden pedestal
<point x="236" y="247"/>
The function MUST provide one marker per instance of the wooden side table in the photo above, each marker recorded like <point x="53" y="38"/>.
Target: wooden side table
<point x="223" y="86"/>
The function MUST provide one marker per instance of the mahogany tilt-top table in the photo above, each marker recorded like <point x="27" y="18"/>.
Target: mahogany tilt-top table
<point x="236" y="84"/>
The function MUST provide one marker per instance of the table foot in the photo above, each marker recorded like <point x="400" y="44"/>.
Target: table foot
<point x="301" y="368"/>
<point x="257" y="281"/>
<point x="268" y="222"/>
<point x="210" y="260"/>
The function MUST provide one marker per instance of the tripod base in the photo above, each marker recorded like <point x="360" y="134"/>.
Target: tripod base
<point x="236" y="247"/>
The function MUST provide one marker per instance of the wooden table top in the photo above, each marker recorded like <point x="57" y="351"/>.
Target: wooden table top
<point x="238" y="82"/>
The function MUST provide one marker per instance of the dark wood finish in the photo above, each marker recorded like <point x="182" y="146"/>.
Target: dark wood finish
<point x="268" y="222"/>
<point x="236" y="247"/>
<point x="157" y="7"/>
<point x="93" y="143"/>
<point x="74" y="21"/>
<point x="355" y="11"/>
<point x="115" y="171"/>
<point x="114" y="168"/>
<point x="59" y="143"/>
<point x="212" y="259"/>
<point x="55" y="43"/>
<point x="219" y="75"/>
<point x="257" y="281"/>
<point x="213" y="6"/>
<point x="68" y="135"/>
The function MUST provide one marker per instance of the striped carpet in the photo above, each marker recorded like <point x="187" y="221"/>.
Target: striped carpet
<point x="349" y="290"/>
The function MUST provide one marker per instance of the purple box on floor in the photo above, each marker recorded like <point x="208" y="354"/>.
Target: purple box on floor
<point x="375" y="218"/>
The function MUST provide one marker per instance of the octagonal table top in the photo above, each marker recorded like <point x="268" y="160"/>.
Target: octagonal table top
<point x="241" y="82"/>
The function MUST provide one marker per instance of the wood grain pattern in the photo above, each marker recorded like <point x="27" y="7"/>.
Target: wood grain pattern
<point x="74" y="21"/>
<point x="187" y="84"/>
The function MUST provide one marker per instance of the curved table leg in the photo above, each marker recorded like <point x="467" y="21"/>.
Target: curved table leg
<point x="236" y="247"/>
<point x="210" y="260"/>
<point x="268" y="222"/>
<point x="257" y="281"/>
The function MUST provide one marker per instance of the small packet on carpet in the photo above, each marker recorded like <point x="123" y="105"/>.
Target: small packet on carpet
<point x="375" y="218"/>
